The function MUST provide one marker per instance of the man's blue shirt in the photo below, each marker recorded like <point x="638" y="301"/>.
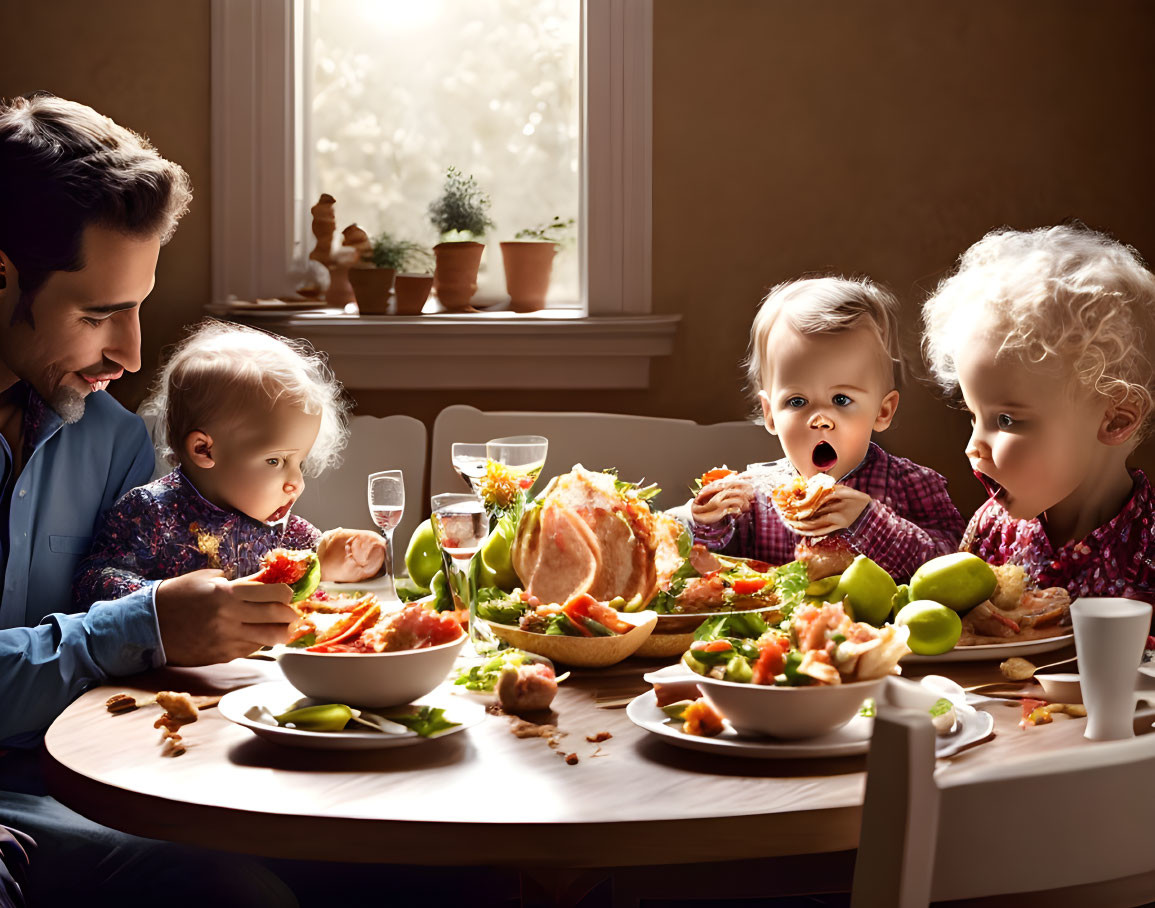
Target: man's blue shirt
<point x="72" y="474"/>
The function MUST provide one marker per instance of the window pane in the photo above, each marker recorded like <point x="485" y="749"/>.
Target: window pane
<point x="399" y="90"/>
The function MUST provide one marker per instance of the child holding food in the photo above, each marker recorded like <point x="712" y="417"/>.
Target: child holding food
<point x="824" y="359"/>
<point x="243" y="414"/>
<point x="1047" y="334"/>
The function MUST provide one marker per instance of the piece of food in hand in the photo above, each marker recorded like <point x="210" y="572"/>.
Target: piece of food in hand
<point x="959" y="581"/>
<point x="350" y="556"/>
<point x="301" y="570"/>
<point x="711" y="476"/>
<point x="934" y="628"/>
<point x="824" y="556"/>
<point x="526" y="688"/>
<point x="801" y="498"/>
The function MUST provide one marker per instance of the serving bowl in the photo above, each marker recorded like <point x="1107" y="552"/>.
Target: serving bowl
<point x="369" y="679"/>
<point x="587" y="652"/>
<point x="673" y="634"/>
<point x="787" y="712"/>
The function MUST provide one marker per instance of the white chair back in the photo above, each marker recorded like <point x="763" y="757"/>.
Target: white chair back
<point x="670" y="452"/>
<point x="339" y="497"/>
<point x="1077" y="820"/>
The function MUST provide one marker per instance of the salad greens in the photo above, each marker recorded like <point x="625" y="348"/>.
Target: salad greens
<point x="427" y="721"/>
<point x="484" y="677"/>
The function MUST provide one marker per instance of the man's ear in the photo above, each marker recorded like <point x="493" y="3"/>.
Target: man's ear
<point x="198" y="448"/>
<point x="7" y="272"/>
<point x="1121" y="420"/>
<point x="767" y="413"/>
<point x="886" y="411"/>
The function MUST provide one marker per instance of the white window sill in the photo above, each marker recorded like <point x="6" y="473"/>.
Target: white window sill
<point x="554" y="348"/>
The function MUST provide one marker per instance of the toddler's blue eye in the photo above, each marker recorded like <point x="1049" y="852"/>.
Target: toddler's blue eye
<point x="795" y="402"/>
<point x="1004" y="421"/>
<point x="841" y="400"/>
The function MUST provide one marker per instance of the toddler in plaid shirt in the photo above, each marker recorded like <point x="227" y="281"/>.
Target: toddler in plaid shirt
<point x="824" y="359"/>
<point x="1047" y="334"/>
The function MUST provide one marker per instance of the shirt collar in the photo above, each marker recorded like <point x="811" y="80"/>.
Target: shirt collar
<point x="41" y="422"/>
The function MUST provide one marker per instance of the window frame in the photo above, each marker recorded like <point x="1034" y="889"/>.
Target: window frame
<point x="258" y="57"/>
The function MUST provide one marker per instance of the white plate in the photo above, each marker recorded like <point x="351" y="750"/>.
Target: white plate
<point x="853" y="738"/>
<point x="277" y="696"/>
<point x="985" y="651"/>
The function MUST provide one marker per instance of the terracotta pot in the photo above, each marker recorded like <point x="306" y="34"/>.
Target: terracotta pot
<point x="340" y="290"/>
<point x="371" y="287"/>
<point x="412" y="291"/>
<point x="455" y="274"/>
<point x="527" y="270"/>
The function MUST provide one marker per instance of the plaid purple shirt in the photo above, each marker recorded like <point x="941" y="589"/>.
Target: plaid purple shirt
<point x="910" y="520"/>
<point x="1117" y="559"/>
<point x="166" y="529"/>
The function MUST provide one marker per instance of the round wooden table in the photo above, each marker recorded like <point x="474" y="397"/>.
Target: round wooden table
<point x="497" y="798"/>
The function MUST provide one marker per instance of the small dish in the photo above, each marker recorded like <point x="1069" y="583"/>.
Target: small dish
<point x="588" y="652"/>
<point x="1060" y="687"/>
<point x="985" y="651"/>
<point x="275" y="697"/>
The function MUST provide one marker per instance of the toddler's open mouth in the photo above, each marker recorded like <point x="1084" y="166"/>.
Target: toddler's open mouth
<point x="993" y="489"/>
<point x="824" y="456"/>
<point x="280" y="513"/>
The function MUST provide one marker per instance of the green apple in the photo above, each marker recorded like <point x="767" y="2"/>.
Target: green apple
<point x="422" y="557"/>
<point x="934" y="628"/>
<point x="869" y="589"/>
<point x="959" y="581"/>
<point x="496" y="563"/>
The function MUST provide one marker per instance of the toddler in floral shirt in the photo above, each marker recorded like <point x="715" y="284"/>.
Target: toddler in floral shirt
<point x="1047" y="334"/>
<point x="824" y="360"/>
<point x="244" y="416"/>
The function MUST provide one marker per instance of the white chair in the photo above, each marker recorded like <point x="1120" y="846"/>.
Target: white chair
<point x="1073" y="827"/>
<point x="339" y="497"/>
<point x="670" y="452"/>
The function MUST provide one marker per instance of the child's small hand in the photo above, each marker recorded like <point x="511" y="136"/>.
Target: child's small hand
<point x="843" y="506"/>
<point x="350" y="556"/>
<point x="728" y="496"/>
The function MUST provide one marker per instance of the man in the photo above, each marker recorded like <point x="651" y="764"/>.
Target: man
<point x="85" y="206"/>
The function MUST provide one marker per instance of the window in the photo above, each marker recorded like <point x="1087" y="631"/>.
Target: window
<point x="397" y="90"/>
<point x="262" y="190"/>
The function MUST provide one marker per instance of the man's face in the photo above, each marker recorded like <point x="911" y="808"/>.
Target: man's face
<point x="826" y="393"/>
<point x="86" y="330"/>
<point x="1035" y="436"/>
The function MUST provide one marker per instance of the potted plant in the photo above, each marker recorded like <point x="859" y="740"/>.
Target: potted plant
<point x="528" y="261"/>
<point x="414" y="280"/>
<point x="373" y="281"/>
<point x="459" y="216"/>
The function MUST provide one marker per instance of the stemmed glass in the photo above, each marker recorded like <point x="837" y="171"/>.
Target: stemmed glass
<point x="460" y="525"/>
<point x="386" y="505"/>
<point x="469" y="462"/>
<point x="523" y="455"/>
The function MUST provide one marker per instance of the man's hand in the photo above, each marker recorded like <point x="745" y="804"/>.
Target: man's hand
<point x="843" y="506"/>
<point x="205" y="619"/>
<point x="350" y="556"/>
<point x="727" y="496"/>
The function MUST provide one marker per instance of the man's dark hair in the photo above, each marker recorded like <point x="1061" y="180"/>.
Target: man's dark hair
<point x="64" y="167"/>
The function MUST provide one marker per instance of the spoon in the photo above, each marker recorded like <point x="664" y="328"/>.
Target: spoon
<point x="1018" y="682"/>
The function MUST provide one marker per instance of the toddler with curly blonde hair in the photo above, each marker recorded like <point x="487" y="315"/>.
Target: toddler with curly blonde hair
<point x="1047" y="335"/>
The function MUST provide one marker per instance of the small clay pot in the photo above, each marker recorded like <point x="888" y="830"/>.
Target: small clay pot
<point x="455" y="274"/>
<point x="527" y="270"/>
<point x="340" y="290"/>
<point x="371" y="287"/>
<point x="412" y="290"/>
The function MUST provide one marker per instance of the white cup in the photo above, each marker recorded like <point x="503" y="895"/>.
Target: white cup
<point x="1109" y="638"/>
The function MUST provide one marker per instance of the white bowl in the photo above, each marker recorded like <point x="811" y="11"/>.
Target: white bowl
<point x="787" y="712"/>
<point x="369" y="679"/>
<point x="1060" y="687"/>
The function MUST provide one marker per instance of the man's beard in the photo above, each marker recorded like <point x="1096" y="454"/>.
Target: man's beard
<point x="68" y="404"/>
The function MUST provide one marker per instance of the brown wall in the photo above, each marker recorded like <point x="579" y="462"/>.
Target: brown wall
<point x="876" y="138"/>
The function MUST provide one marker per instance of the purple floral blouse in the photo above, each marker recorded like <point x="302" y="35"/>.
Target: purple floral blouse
<point x="1117" y="559"/>
<point x="167" y="528"/>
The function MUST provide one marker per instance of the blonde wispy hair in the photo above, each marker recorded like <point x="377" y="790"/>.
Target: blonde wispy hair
<point x="221" y="370"/>
<point x="825" y="305"/>
<point x="1067" y="295"/>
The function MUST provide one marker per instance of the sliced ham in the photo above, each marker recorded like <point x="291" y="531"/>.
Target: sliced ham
<point x="616" y="546"/>
<point x="568" y="562"/>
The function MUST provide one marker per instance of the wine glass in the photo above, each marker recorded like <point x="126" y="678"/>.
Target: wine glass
<point x="460" y="525"/>
<point x="523" y="455"/>
<point x="386" y="505"/>
<point x="469" y="462"/>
